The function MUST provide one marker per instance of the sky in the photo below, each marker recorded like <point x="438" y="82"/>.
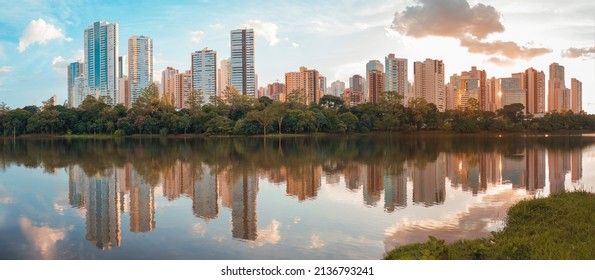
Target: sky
<point x="38" y="39"/>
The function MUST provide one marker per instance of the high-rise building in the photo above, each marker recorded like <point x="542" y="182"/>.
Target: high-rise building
<point x="75" y="70"/>
<point x="276" y="91"/>
<point x="576" y="88"/>
<point x="470" y="84"/>
<point x="204" y="73"/>
<point x="535" y="87"/>
<point x="556" y="88"/>
<point x="224" y="80"/>
<point x="357" y="83"/>
<point x="306" y="80"/>
<point x="513" y="90"/>
<point x="396" y="75"/>
<point x="493" y="95"/>
<point x="101" y="60"/>
<point x="352" y="97"/>
<point x="322" y="85"/>
<point x="168" y="83"/>
<point x="429" y="82"/>
<point x="243" y="76"/>
<point x="140" y="65"/>
<point x="375" y="86"/>
<point x="372" y="65"/>
<point x="182" y="89"/>
<point x="337" y="88"/>
<point x="124" y="90"/>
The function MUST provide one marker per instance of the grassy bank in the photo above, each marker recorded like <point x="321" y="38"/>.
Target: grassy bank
<point x="561" y="226"/>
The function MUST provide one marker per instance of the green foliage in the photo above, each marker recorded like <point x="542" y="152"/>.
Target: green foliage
<point x="119" y="133"/>
<point x="557" y="227"/>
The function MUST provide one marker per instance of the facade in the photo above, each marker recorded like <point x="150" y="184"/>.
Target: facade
<point x="101" y="61"/>
<point x="276" y="91"/>
<point x="429" y="82"/>
<point x="75" y="70"/>
<point x="243" y="76"/>
<point x="337" y="88"/>
<point x="372" y="65"/>
<point x="124" y="90"/>
<point x="168" y="83"/>
<point x="322" y="85"/>
<point x="140" y="65"/>
<point x="535" y="87"/>
<point x="182" y="89"/>
<point x="357" y="83"/>
<point x="395" y="78"/>
<point x="576" y="88"/>
<point x="513" y="91"/>
<point x="204" y="73"/>
<point x="223" y="78"/>
<point x="493" y="95"/>
<point x="352" y="97"/>
<point x="556" y="88"/>
<point x="306" y="80"/>
<point x="375" y="86"/>
<point x="470" y="84"/>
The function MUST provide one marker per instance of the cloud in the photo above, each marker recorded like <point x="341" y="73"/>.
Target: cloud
<point x="38" y="31"/>
<point x="508" y="49"/>
<point x="454" y="18"/>
<point x="5" y="69"/>
<point x="267" y="30"/>
<point x="197" y="36"/>
<point x="217" y="26"/>
<point x="501" y="62"/>
<point x="295" y="45"/>
<point x="579" y="52"/>
<point x="315" y="242"/>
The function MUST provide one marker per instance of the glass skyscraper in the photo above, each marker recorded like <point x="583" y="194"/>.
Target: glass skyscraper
<point x="101" y="58"/>
<point x="140" y="65"/>
<point x="243" y="76"/>
<point x="204" y="73"/>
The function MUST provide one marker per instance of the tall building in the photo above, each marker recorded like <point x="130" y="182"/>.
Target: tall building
<point x="576" y="88"/>
<point x="75" y="70"/>
<point x="182" y="89"/>
<point x="124" y="90"/>
<point x="357" y="83"/>
<point x="276" y="91"/>
<point x="306" y="80"/>
<point x="470" y="84"/>
<point x="167" y="83"/>
<point x="556" y="88"/>
<point x="535" y="87"/>
<point x="493" y="95"/>
<point x="395" y="78"/>
<point x="140" y="65"/>
<point x="204" y="73"/>
<point x="101" y="58"/>
<point x="375" y="86"/>
<point x="513" y="91"/>
<point x="322" y="85"/>
<point x="372" y="65"/>
<point x="429" y="82"/>
<point x="243" y="76"/>
<point x="337" y="88"/>
<point x="224" y="79"/>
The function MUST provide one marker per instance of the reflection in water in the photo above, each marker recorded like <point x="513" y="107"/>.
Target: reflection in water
<point x="395" y="174"/>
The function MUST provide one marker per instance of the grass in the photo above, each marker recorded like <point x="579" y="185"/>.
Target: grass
<point x="558" y="227"/>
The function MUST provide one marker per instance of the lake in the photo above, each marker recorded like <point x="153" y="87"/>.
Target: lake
<point x="313" y="197"/>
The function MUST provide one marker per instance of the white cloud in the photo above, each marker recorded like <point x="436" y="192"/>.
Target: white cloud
<point x="217" y="26"/>
<point x="38" y="31"/>
<point x="79" y="55"/>
<point x="197" y="36"/>
<point x="295" y="45"/>
<point x="5" y="69"/>
<point x="267" y="30"/>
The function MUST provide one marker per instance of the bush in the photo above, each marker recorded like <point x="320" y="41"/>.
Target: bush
<point x="163" y="131"/>
<point x="119" y="133"/>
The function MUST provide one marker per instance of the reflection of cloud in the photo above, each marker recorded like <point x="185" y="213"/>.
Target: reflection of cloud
<point x="297" y="220"/>
<point x="579" y="52"/>
<point x="315" y="242"/>
<point x="474" y="222"/>
<point x="43" y="238"/>
<point x="269" y="235"/>
<point x="6" y="200"/>
<point x="199" y="229"/>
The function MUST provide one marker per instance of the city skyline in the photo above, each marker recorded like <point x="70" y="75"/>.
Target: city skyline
<point x="27" y="55"/>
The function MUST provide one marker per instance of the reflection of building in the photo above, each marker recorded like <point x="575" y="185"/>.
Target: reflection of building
<point x="243" y="209"/>
<point x="576" y="168"/>
<point x="103" y="213"/>
<point x="78" y="184"/>
<point x="374" y="183"/>
<point x="429" y="182"/>
<point x="395" y="190"/>
<point x="463" y="171"/>
<point x="304" y="181"/>
<point x="514" y="169"/>
<point x="354" y="175"/>
<point x="490" y="169"/>
<point x="205" y="195"/>
<point x="177" y="180"/>
<point x="558" y="166"/>
<point x="142" y="205"/>
<point x="535" y="169"/>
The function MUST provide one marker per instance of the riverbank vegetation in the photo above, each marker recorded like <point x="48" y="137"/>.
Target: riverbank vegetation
<point x="557" y="227"/>
<point x="244" y="115"/>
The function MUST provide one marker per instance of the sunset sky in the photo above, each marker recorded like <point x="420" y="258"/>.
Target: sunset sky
<point x="39" y="38"/>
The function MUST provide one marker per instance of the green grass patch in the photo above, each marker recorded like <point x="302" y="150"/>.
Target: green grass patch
<point x="558" y="227"/>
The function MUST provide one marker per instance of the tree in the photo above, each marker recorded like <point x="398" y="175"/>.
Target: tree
<point x="392" y="109"/>
<point x="513" y="112"/>
<point x="195" y="100"/>
<point x="279" y="111"/>
<point x="331" y="101"/>
<point x="264" y="118"/>
<point x="296" y="98"/>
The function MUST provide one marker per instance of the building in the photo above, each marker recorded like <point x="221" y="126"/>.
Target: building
<point x="182" y="89"/>
<point x="429" y="82"/>
<point x="513" y="91"/>
<point x="224" y="79"/>
<point x="167" y="83"/>
<point x="101" y="61"/>
<point x="493" y="95"/>
<point x="204" y="73"/>
<point x="306" y="80"/>
<point x="470" y="84"/>
<point x="140" y="65"/>
<point x="276" y="91"/>
<point x="375" y="86"/>
<point x="243" y="76"/>
<point x="372" y="65"/>
<point x="322" y="85"/>
<point x="337" y="88"/>
<point x="556" y="88"/>
<point x="534" y="85"/>
<point x="75" y="70"/>
<point x="124" y="90"/>
<point x="576" y="88"/>
<point x="352" y="97"/>
<point x="395" y="78"/>
<point x="357" y="83"/>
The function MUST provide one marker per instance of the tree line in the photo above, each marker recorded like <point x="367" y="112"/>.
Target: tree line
<point x="237" y="114"/>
